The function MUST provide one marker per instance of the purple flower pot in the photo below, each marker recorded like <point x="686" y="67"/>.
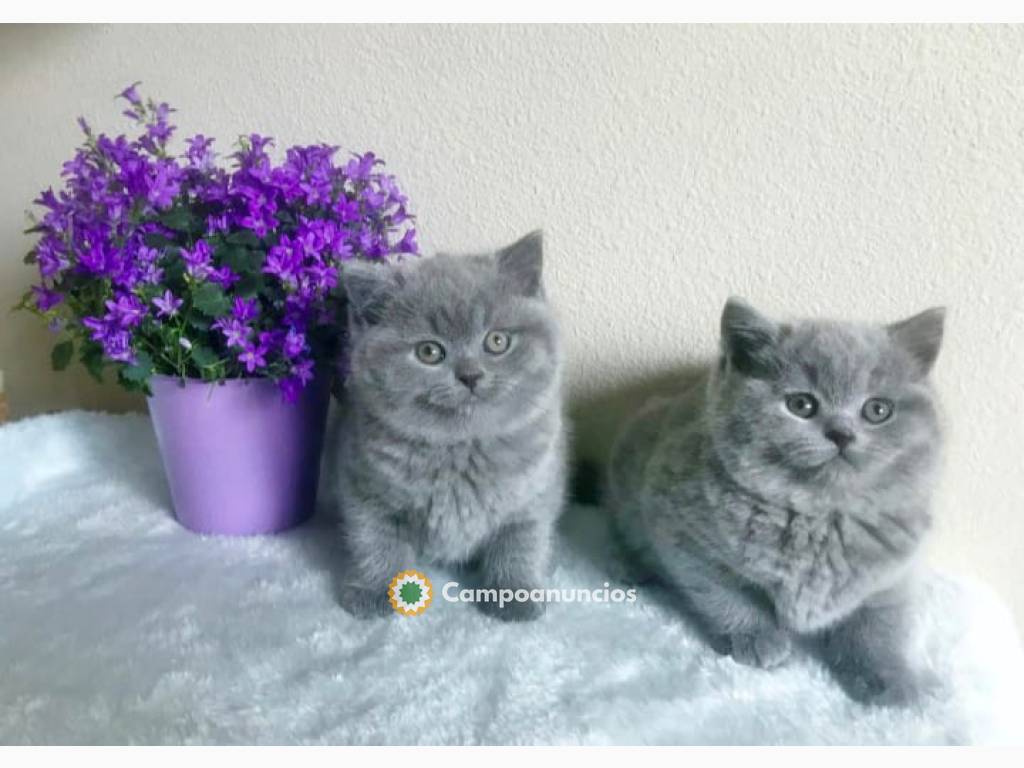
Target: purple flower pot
<point x="239" y="460"/>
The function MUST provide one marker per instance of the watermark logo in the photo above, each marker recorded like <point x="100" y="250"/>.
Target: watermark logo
<point x="410" y="593"/>
<point x="608" y="594"/>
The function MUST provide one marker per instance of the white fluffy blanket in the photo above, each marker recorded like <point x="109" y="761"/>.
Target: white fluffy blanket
<point x="118" y="626"/>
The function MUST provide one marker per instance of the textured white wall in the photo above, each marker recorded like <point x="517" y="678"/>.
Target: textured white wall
<point x="856" y="172"/>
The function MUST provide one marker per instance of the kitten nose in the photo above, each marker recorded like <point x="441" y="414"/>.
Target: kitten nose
<point x="470" y="379"/>
<point x="469" y="374"/>
<point x="840" y="436"/>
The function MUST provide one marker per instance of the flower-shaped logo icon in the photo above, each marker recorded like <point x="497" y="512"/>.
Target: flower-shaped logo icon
<point x="410" y="593"/>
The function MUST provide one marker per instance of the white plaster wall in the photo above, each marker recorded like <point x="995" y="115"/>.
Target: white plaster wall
<point x="856" y="172"/>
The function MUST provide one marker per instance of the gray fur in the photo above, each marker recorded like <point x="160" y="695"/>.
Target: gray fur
<point x="430" y="470"/>
<point x="767" y="527"/>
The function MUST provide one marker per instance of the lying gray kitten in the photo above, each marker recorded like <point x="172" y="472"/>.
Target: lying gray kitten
<point x="790" y="493"/>
<point x="451" y="440"/>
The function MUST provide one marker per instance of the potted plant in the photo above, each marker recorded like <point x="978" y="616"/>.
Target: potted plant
<point x="214" y="291"/>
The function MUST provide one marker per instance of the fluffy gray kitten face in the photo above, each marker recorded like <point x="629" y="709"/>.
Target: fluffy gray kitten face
<point x="825" y="403"/>
<point x="453" y="346"/>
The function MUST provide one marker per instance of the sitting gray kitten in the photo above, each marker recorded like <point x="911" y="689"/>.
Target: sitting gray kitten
<point x="451" y="440"/>
<point x="790" y="493"/>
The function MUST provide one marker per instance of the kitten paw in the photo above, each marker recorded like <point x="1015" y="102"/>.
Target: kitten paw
<point x="765" y="650"/>
<point x="514" y="611"/>
<point x="364" y="602"/>
<point x="895" y="686"/>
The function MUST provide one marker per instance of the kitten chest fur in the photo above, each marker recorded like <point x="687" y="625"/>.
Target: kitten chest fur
<point x="816" y="553"/>
<point x="447" y="499"/>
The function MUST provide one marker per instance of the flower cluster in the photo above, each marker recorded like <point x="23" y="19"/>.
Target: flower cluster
<point x="176" y="265"/>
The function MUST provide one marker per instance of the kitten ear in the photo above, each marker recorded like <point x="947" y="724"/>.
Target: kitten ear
<point x="748" y="339"/>
<point x="920" y="336"/>
<point x="369" y="288"/>
<point x="522" y="264"/>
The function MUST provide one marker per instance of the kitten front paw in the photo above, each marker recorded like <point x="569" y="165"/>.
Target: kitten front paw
<point x="766" y="650"/>
<point x="364" y="602"/>
<point x="888" y="686"/>
<point x="513" y="610"/>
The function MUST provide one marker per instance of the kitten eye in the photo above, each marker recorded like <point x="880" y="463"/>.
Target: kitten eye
<point x="802" y="404"/>
<point x="877" y="409"/>
<point x="497" y="342"/>
<point x="429" y="352"/>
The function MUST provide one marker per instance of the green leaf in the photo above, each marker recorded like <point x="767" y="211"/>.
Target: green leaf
<point x="240" y="259"/>
<point x="30" y="257"/>
<point x="174" y="274"/>
<point x="210" y="300"/>
<point x="243" y="237"/>
<point x="92" y="358"/>
<point x="249" y="286"/>
<point x="26" y="304"/>
<point x="199" y="322"/>
<point x="141" y="371"/>
<point x="179" y="219"/>
<point x="271" y="293"/>
<point x="157" y="240"/>
<point x="203" y="356"/>
<point x="61" y="355"/>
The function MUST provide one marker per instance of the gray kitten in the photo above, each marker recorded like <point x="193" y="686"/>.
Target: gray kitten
<point x="451" y="442"/>
<point x="789" y="494"/>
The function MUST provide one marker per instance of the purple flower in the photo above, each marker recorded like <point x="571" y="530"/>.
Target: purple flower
<point x="235" y="331"/>
<point x="374" y="199"/>
<point x="146" y="265"/>
<point x="118" y="346"/>
<point x="167" y="305"/>
<point x="46" y="299"/>
<point x="294" y="343"/>
<point x="245" y="310"/>
<point x="158" y="129"/>
<point x="389" y="186"/>
<point x="366" y="241"/>
<point x="283" y="262"/>
<point x="303" y="371"/>
<point x="408" y="242"/>
<point x="52" y="258"/>
<point x="347" y="210"/>
<point x="126" y="311"/>
<point x="115" y="230"/>
<point x="223" y="277"/>
<point x="132" y="95"/>
<point x="342" y="251"/>
<point x="360" y="167"/>
<point x="48" y="200"/>
<point x="199" y="154"/>
<point x="97" y="326"/>
<point x="151" y="274"/>
<point x="164" y="185"/>
<point x="146" y="255"/>
<point x="116" y="342"/>
<point x="197" y="260"/>
<point x="321" y="277"/>
<point x="260" y="208"/>
<point x="96" y="258"/>
<point x="215" y="224"/>
<point x="253" y="355"/>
